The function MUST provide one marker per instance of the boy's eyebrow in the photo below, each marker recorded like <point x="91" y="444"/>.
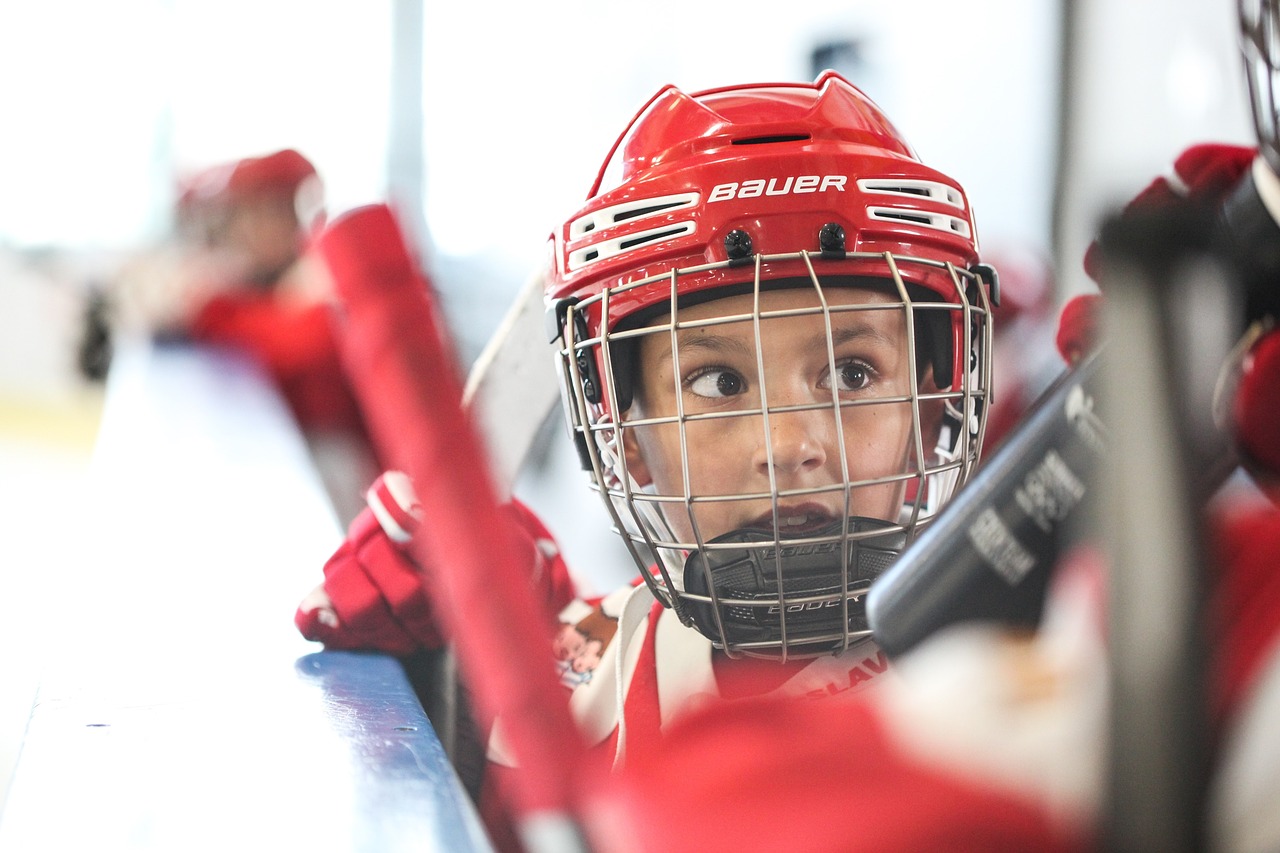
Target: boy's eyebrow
<point x="858" y="331"/>
<point x="707" y="341"/>
<point x="702" y="339"/>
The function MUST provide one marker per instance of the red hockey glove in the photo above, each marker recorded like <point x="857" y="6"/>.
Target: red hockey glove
<point x="373" y="595"/>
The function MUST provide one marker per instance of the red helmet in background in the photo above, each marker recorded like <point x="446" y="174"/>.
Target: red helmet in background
<point x="745" y="190"/>
<point x="207" y="195"/>
<point x="282" y="172"/>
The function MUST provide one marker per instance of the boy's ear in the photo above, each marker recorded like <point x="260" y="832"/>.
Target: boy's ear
<point x="636" y="465"/>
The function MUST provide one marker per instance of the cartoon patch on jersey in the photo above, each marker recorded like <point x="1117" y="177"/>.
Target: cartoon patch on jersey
<point x="579" y="645"/>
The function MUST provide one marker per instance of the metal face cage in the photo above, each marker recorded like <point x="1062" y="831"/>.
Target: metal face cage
<point x="1260" y="50"/>
<point x="689" y="416"/>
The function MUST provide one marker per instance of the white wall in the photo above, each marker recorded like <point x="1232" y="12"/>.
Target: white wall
<point x="104" y="104"/>
<point x="1152" y="76"/>
<point x="521" y="104"/>
<point x="518" y="125"/>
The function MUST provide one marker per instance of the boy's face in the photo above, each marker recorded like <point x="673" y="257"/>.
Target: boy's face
<point x="719" y="373"/>
<point x="263" y="229"/>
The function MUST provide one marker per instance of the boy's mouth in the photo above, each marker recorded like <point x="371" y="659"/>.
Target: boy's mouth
<point x="796" y="520"/>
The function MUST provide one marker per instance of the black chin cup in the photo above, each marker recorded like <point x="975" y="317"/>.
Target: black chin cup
<point x="810" y="568"/>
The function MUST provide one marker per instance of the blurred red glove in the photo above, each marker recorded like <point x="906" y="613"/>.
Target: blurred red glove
<point x="1202" y="174"/>
<point x="1207" y="174"/>
<point x="374" y="595"/>
<point x="1078" y="327"/>
<point x="1256" y="411"/>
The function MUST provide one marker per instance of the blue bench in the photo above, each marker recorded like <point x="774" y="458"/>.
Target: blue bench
<point x="180" y="709"/>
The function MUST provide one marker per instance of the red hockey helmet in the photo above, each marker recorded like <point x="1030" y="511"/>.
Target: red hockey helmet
<point x="285" y="174"/>
<point x="744" y="191"/>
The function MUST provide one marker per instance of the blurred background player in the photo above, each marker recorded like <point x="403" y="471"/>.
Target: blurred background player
<point x="774" y="333"/>
<point x="237" y="275"/>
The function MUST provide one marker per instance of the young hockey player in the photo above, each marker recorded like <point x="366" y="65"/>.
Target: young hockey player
<point x="989" y="738"/>
<point x="993" y="739"/>
<point x="774" y="336"/>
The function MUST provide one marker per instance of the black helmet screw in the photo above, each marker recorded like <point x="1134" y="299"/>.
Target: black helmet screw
<point x="831" y="238"/>
<point x="737" y="244"/>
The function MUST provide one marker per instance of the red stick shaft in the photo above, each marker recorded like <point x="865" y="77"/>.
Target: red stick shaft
<point x="403" y="367"/>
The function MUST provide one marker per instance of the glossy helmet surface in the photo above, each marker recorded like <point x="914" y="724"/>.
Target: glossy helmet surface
<point x="1260" y="46"/>
<point x="740" y="192"/>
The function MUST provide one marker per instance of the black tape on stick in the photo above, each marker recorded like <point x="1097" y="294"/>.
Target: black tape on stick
<point x="989" y="554"/>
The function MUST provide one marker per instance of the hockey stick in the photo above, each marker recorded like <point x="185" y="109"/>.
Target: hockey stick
<point x="1172" y="304"/>
<point x="401" y="360"/>
<point x="512" y="386"/>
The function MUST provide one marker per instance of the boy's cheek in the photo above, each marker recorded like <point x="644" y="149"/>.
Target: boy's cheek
<point x="634" y="451"/>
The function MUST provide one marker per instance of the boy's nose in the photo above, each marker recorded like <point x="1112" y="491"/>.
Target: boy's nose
<point x="798" y="441"/>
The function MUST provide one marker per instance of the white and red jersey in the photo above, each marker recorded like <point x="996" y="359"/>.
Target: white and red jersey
<point x="633" y="668"/>
<point x="978" y="740"/>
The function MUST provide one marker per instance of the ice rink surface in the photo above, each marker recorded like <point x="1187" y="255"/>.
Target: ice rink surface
<point x="44" y="453"/>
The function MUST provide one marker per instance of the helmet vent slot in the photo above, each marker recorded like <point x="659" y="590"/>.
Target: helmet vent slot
<point x="933" y="190"/>
<point x="646" y="211"/>
<point x="905" y="217"/>
<point x="628" y="211"/>
<point x="650" y="238"/>
<point x="925" y="218"/>
<point x="605" y="249"/>
<point x="766" y="140"/>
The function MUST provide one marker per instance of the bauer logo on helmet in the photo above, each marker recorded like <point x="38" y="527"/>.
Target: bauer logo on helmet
<point x="760" y="186"/>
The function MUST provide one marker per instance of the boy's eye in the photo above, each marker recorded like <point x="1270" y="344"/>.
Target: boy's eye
<point x="852" y="376"/>
<point x="717" y="382"/>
